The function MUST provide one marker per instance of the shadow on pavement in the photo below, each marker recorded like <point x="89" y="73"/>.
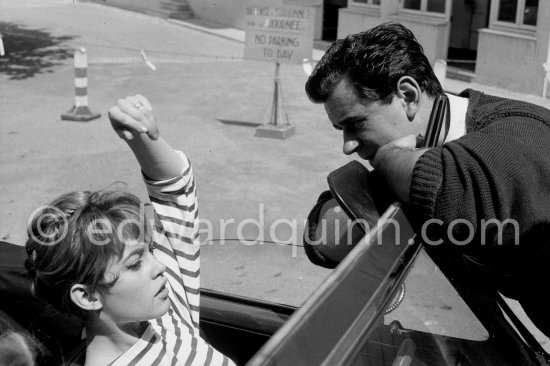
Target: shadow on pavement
<point x="30" y="51"/>
<point x="239" y="123"/>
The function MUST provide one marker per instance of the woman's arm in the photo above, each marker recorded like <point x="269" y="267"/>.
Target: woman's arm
<point x="133" y="120"/>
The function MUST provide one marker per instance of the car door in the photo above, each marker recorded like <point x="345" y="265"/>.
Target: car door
<point x="394" y="303"/>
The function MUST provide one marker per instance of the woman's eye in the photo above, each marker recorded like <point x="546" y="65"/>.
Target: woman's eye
<point x="135" y="266"/>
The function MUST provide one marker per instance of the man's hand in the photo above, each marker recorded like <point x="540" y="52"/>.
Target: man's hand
<point x="395" y="162"/>
<point x="133" y="115"/>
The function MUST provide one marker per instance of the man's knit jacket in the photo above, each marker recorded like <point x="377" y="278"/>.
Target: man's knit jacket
<point x="499" y="170"/>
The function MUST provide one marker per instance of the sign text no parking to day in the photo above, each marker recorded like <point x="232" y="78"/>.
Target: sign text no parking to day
<point x="277" y="32"/>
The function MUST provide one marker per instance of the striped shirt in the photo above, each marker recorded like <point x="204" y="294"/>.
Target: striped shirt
<point x="174" y="339"/>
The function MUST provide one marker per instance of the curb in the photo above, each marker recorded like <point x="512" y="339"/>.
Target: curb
<point x="235" y="35"/>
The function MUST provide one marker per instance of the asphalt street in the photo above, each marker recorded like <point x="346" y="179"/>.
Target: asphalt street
<point x="248" y="186"/>
<point x="200" y="79"/>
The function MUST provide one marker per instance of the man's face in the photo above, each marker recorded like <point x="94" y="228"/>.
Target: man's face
<point x="366" y="125"/>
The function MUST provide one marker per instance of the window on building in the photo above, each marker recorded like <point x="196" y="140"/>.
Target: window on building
<point x="530" y="12"/>
<point x="507" y="10"/>
<point x="426" y="6"/>
<point x="517" y="12"/>
<point x="412" y="4"/>
<point x="368" y="2"/>
<point x="436" y="6"/>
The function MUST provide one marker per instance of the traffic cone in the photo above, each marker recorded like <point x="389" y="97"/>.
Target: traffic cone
<point x="80" y="111"/>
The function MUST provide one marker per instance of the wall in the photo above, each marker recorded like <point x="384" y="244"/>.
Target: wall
<point x="225" y="12"/>
<point x="176" y="9"/>
<point x="431" y="32"/>
<point x="231" y="13"/>
<point x="514" y="61"/>
<point x="355" y="19"/>
<point x="506" y="54"/>
<point x="543" y="39"/>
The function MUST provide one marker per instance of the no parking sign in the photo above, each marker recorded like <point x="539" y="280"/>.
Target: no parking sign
<point x="278" y="32"/>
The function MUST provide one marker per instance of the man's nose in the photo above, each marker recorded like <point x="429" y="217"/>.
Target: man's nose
<point x="350" y="146"/>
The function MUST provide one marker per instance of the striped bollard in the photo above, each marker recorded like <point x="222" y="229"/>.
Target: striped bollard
<point x="80" y="110"/>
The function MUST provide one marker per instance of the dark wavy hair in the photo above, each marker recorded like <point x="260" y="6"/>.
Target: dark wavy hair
<point x="373" y="61"/>
<point x="74" y="238"/>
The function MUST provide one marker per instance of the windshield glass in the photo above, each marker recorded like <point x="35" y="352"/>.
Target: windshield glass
<point x="269" y="271"/>
<point x="431" y="304"/>
<point x="428" y="323"/>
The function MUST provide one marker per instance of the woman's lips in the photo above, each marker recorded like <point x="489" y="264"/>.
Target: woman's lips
<point x="163" y="290"/>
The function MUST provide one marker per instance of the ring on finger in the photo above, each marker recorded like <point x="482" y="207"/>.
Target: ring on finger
<point x="139" y="105"/>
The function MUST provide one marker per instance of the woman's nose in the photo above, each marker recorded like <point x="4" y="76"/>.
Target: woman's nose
<point x="159" y="267"/>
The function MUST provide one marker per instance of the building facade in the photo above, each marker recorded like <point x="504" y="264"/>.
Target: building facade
<point x="502" y="43"/>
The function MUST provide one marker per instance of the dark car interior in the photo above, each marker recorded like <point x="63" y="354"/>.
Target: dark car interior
<point x="236" y="326"/>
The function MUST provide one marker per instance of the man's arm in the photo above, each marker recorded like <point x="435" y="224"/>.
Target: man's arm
<point x="395" y="162"/>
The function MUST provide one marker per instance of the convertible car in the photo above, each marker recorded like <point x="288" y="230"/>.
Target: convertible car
<point x="392" y="301"/>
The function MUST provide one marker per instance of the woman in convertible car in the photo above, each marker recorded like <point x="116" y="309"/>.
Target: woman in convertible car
<point x="135" y="283"/>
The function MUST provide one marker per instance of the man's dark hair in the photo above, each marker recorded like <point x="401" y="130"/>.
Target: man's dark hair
<point x="373" y="61"/>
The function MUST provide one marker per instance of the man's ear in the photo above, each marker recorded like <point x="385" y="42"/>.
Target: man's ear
<point x="409" y="92"/>
<point x="84" y="299"/>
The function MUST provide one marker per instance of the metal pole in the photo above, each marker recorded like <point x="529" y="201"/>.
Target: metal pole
<point x="274" y="114"/>
<point x="276" y="124"/>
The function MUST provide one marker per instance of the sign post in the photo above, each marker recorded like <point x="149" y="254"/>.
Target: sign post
<point x="282" y="34"/>
<point x="277" y="108"/>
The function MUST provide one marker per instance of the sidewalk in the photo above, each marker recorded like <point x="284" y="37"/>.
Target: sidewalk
<point x="452" y="86"/>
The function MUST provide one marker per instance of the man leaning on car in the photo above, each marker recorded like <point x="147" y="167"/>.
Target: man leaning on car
<point x="486" y="187"/>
